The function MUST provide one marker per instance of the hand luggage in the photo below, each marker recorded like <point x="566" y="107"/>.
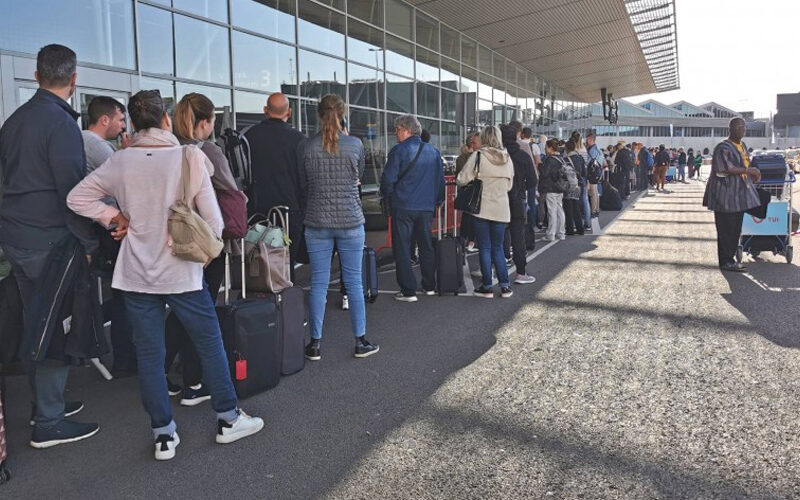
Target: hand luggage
<point x="450" y="258"/>
<point x="267" y="259"/>
<point x="369" y="272"/>
<point x="10" y="319"/>
<point x="773" y="170"/>
<point x="610" y="200"/>
<point x="252" y="340"/>
<point x="291" y="307"/>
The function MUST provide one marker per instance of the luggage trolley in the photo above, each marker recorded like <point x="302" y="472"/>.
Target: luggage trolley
<point x="774" y="233"/>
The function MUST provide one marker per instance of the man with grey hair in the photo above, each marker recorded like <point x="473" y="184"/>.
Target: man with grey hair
<point x="413" y="185"/>
<point x="42" y="159"/>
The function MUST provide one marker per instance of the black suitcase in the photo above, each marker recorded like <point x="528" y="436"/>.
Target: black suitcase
<point x="369" y="272"/>
<point x="252" y="341"/>
<point x="611" y="200"/>
<point x="291" y="307"/>
<point x="450" y="257"/>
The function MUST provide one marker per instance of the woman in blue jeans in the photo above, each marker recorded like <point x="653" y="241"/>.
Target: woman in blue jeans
<point x="332" y="165"/>
<point x="492" y="165"/>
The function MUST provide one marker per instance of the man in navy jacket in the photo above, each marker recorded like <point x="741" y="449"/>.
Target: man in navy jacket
<point x="41" y="160"/>
<point x="414" y="182"/>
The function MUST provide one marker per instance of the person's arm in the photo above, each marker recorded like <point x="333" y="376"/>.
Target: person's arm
<point x="467" y="173"/>
<point x="530" y="175"/>
<point x="390" y="172"/>
<point x="67" y="161"/>
<point x="223" y="176"/>
<point x="205" y="199"/>
<point x="86" y="198"/>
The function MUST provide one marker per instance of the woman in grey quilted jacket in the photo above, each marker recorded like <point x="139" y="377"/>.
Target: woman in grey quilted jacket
<point x="330" y="172"/>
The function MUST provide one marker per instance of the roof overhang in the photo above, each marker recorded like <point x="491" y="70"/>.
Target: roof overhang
<point x="628" y="47"/>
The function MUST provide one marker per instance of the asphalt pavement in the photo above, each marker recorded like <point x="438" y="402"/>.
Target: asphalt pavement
<point x="632" y="368"/>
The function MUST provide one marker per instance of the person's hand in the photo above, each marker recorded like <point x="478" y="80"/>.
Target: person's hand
<point x="121" y="229"/>
<point x="125" y="140"/>
<point x="89" y="258"/>
<point x="755" y="174"/>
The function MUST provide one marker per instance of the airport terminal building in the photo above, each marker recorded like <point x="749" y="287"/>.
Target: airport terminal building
<point x="457" y="65"/>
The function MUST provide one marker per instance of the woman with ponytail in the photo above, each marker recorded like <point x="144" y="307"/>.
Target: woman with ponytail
<point x="330" y="170"/>
<point x="194" y="124"/>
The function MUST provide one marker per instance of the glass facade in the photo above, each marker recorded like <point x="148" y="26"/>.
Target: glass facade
<point x="385" y="57"/>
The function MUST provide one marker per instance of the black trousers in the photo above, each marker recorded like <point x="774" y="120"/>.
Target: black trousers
<point x="572" y="214"/>
<point x="729" y="229"/>
<point x="515" y="239"/>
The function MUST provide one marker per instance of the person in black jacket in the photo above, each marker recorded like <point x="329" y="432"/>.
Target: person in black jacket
<point x="661" y="166"/>
<point x="276" y="149"/>
<point x="624" y="164"/>
<point x="550" y="174"/>
<point x="42" y="159"/>
<point x="524" y="180"/>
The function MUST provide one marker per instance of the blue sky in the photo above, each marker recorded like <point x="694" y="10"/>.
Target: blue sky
<point x="739" y="53"/>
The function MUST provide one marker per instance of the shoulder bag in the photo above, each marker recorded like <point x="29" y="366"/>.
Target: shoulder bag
<point x="469" y="197"/>
<point x="386" y="201"/>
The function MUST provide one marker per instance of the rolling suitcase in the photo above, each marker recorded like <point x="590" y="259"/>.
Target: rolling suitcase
<point x="252" y="340"/>
<point x="291" y="307"/>
<point x="450" y="258"/>
<point x="369" y="272"/>
<point x="610" y="199"/>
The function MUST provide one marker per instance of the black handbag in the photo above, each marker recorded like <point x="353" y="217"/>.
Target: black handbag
<point x="760" y="212"/>
<point x="386" y="201"/>
<point x="469" y="196"/>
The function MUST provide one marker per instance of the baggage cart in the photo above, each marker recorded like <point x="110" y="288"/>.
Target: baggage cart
<point x="773" y="233"/>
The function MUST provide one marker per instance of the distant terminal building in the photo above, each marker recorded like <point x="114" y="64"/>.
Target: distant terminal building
<point x="786" y="123"/>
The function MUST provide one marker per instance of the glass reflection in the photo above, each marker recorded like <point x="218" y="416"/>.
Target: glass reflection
<point x="366" y="86"/>
<point x="450" y="139"/>
<point x="399" y="18"/>
<point x="212" y="9"/>
<point x="308" y="112"/>
<point x="449" y="73"/>
<point x="427" y="66"/>
<point x="320" y="75"/>
<point x="202" y="51"/>
<point x="451" y="43"/>
<point x="368" y="126"/>
<point x="484" y="113"/>
<point x="469" y="52"/>
<point x="448" y="105"/>
<point x="367" y="10"/>
<point x="320" y="28"/>
<point x="399" y="94"/>
<point x="365" y="44"/>
<point x="274" y="18"/>
<point x="427" y="31"/>
<point x="155" y="40"/>
<point x="399" y="56"/>
<point x="262" y="64"/>
<point x="427" y="100"/>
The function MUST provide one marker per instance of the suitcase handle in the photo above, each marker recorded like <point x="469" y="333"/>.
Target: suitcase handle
<point x="228" y="275"/>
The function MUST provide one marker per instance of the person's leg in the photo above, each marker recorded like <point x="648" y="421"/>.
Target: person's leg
<point x="587" y="211"/>
<point x="402" y="230"/>
<point x="594" y="199"/>
<point x="517" y="231"/>
<point x="576" y="213"/>
<point x="497" y="231"/>
<point x="121" y="335"/>
<point x="553" y="203"/>
<point x="507" y="243"/>
<point x="484" y="242"/>
<point x="196" y="312"/>
<point x="296" y="235"/>
<point x="566" y="203"/>
<point x="320" y="249"/>
<point x="350" y="243"/>
<point x="146" y="313"/>
<point x="560" y="229"/>
<point x="721" y="222"/>
<point x="427" y="254"/>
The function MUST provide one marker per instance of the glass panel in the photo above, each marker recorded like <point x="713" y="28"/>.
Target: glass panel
<point x="368" y="10"/>
<point x="399" y="18"/>
<point x="274" y="18"/>
<point x="99" y="32"/>
<point x="469" y="79"/>
<point x="320" y="28"/>
<point x="431" y="126"/>
<point x="427" y="66"/>
<point x="321" y="75"/>
<point x="155" y="40"/>
<point x="308" y="110"/>
<point x="448" y="105"/>
<point x="202" y="51"/>
<point x="450" y="139"/>
<point x="365" y="44"/>
<point x="336" y="4"/>
<point x="449" y="73"/>
<point x="499" y="68"/>
<point x="368" y="126"/>
<point x="427" y="31"/>
<point x="484" y="59"/>
<point x="451" y="45"/>
<point x="165" y="87"/>
<point x="399" y="94"/>
<point x="511" y="73"/>
<point x="427" y="100"/>
<point x="212" y="9"/>
<point x="366" y="86"/>
<point x="484" y="113"/>
<point x="399" y="56"/>
<point x="263" y="64"/>
<point x="522" y="81"/>
<point x="469" y="52"/>
<point x="485" y="86"/>
<point x="499" y="94"/>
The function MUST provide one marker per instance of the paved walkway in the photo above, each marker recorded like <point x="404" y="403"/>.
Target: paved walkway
<point x="633" y="368"/>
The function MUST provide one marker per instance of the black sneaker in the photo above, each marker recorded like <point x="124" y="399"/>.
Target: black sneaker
<point x="312" y="350"/>
<point x="174" y="389"/>
<point x="70" y="408"/>
<point x="193" y="397"/>
<point x="364" y="348"/>
<point x="65" y="431"/>
<point x="506" y="292"/>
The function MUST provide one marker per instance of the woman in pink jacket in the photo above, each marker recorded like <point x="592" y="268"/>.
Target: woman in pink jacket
<point x="145" y="179"/>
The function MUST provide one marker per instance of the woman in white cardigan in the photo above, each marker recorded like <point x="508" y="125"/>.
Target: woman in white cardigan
<point x="493" y="166"/>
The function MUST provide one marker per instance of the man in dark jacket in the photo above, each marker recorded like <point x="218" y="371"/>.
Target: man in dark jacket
<point x="276" y="150"/>
<point x="524" y="182"/>
<point x="414" y="182"/>
<point x="624" y="164"/>
<point x="41" y="160"/>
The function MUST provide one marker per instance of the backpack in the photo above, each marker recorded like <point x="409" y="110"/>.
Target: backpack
<point x="237" y="150"/>
<point x="650" y="159"/>
<point x="562" y="184"/>
<point x="572" y="176"/>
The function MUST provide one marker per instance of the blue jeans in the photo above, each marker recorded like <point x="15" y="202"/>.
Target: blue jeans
<point x="350" y="245"/>
<point x="681" y="172"/>
<point x="489" y="237"/>
<point x="408" y="226"/>
<point x="47" y="379"/>
<point x="196" y="313"/>
<point x="587" y="210"/>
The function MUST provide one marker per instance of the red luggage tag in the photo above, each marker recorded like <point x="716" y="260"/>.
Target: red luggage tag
<point x="241" y="368"/>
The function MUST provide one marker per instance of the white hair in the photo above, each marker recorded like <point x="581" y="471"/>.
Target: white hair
<point x="409" y="123"/>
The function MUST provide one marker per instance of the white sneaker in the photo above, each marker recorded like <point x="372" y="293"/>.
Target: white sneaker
<point x="430" y="293"/>
<point x="244" y="426"/>
<point x="345" y="303"/>
<point x="405" y="298"/>
<point x="524" y="279"/>
<point x="471" y="248"/>
<point x="165" y="446"/>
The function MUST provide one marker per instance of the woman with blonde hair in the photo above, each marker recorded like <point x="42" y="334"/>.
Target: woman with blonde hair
<point x="493" y="166"/>
<point x="331" y="167"/>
